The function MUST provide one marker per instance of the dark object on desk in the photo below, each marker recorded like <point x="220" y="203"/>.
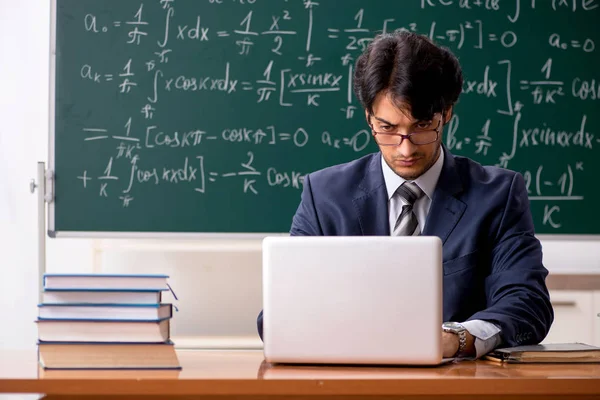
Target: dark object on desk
<point x="547" y="353"/>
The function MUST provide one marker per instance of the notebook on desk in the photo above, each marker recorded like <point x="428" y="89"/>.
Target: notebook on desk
<point x="352" y="300"/>
<point x="547" y="353"/>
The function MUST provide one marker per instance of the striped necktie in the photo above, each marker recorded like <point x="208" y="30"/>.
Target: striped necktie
<point x="407" y="223"/>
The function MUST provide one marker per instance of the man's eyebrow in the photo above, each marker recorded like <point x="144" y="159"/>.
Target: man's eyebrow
<point x="384" y="121"/>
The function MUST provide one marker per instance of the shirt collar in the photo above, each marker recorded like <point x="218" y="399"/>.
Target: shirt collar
<point x="427" y="182"/>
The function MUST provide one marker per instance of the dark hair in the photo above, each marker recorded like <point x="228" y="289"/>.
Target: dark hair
<point x="413" y="69"/>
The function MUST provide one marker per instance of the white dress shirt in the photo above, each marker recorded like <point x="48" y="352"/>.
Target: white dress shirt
<point x="487" y="335"/>
<point x="427" y="182"/>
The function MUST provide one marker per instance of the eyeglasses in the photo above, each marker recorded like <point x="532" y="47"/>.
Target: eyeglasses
<point x="419" y="137"/>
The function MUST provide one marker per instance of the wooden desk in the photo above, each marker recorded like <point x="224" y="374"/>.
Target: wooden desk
<point x="243" y="374"/>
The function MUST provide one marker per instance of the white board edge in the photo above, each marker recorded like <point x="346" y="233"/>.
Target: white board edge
<point x="161" y="235"/>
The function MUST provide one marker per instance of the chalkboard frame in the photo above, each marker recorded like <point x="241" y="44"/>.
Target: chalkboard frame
<point x="51" y="117"/>
<point x="51" y="207"/>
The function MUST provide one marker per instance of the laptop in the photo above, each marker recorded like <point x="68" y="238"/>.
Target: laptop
<point x="352" y="300"/>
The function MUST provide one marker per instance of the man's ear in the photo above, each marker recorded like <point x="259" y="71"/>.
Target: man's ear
<point x="448" y="114"/>
<point x="367" y="117"/>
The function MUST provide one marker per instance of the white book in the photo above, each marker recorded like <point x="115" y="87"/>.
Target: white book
<point x="105" y="281"/>
<point x="141" y="312"/>
<point x="50" y="330"/>
<point x="101" y="297"/>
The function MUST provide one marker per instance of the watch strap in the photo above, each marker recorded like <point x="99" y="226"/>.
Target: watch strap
<point x="462" y="342"/>
<point x="461" y="332"/>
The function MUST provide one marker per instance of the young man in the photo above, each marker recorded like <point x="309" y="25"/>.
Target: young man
<point x="494" y="279"/>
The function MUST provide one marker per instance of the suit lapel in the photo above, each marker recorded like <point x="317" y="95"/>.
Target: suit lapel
<point x="371" y="201"/>
<point x="445" y="210"/>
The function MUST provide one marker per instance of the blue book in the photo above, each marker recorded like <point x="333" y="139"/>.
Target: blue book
<point x="74" y="311"/>
<point x="105" y="282"/>
<point x="104" y="331"/>
<point x="109" y="296"/>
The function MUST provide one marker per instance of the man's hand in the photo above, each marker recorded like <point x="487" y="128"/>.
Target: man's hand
<point x="450" y="345"/>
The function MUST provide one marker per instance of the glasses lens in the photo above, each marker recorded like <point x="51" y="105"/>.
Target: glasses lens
<point x="386" y="139"/>
<point x="424" y="137"/>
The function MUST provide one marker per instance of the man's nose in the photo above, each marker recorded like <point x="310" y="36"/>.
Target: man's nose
<point x="406" y="148"/>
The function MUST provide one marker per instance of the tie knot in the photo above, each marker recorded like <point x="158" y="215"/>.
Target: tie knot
<point x="410" y="192"/>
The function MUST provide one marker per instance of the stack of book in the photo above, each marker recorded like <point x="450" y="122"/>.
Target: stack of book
<point x="102" y="321"/>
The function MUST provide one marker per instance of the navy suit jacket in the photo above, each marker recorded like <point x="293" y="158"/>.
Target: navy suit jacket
<point x="492" y="262"/>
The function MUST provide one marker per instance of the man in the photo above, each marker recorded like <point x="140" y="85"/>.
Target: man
<point x="494" y="279"/>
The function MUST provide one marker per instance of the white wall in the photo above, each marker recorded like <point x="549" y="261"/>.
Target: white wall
<point x="218" y="283"/>
<point x="23" y="120"/>
<point x="24" y="38"/>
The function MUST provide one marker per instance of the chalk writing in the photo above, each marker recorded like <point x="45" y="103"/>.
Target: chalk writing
<point x="240" y="99"/>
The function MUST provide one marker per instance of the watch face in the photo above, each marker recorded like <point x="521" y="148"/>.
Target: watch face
<point x="452" y="325"/>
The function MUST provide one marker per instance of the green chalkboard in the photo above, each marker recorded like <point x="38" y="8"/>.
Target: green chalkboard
<point x="202" y="116"/>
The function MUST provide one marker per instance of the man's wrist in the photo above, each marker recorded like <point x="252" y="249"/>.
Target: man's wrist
<point x="464" y="341"/>
<point x="449" y="344"/>
<point x="486" y="336"/>
<point x="460" y="332"/>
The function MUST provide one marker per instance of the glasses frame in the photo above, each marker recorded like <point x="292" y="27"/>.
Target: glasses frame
<point x="409" y="136"/>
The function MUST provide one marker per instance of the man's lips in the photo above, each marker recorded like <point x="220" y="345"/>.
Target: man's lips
<point x="406" y="162"/>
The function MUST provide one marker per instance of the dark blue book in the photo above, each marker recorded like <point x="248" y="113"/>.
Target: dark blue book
<point x="95" y="330"/>
<point x="73" y="311"/>
<point x="106" y="281"/>
<point x="99" y="296"/>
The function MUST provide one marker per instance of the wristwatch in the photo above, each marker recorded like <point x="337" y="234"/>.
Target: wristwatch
<point x="461" y="331"/>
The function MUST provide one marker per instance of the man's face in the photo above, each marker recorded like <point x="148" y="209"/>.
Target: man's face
<point x="407" y="160"/>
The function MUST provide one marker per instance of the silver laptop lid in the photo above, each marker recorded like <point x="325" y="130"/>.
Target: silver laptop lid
<point x="364" y="299"/>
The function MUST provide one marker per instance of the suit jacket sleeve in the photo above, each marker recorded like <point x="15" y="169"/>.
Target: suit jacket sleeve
<point x="516" y="295"/>
<point x="305" y="223"/>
